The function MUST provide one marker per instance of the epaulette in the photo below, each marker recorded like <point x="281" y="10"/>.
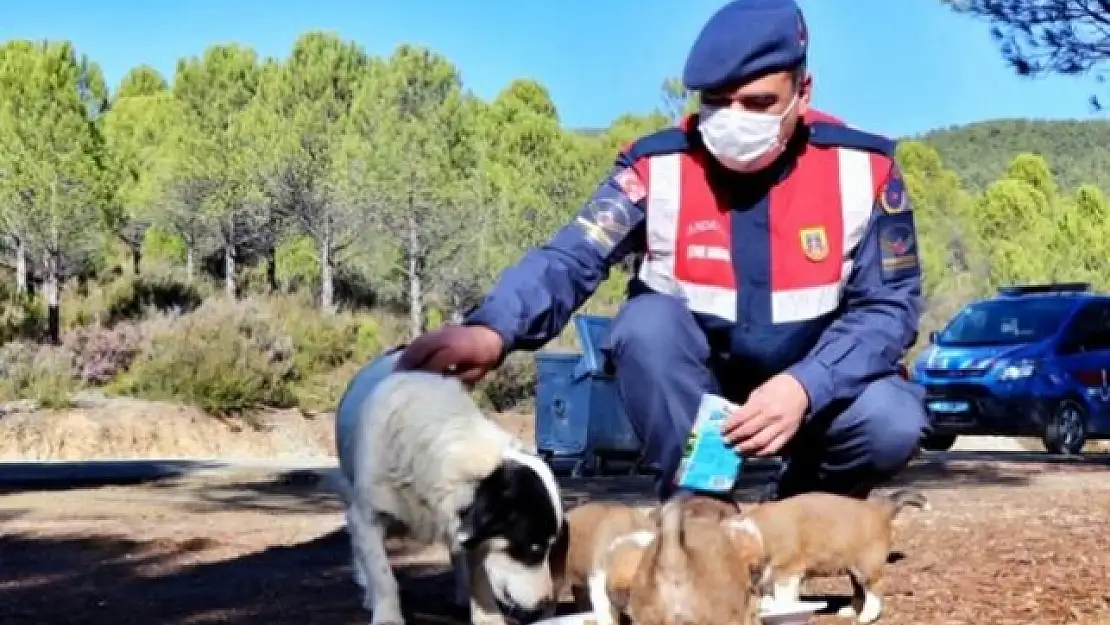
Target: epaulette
<point x="666" y="141"/>
<point x="827" y="134"/>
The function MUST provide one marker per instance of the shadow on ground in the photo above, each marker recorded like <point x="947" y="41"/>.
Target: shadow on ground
<point x="301" y="491"/>
<point x="112" y="581"/>
<point x="26" y="476"/>
<point x="312" y="491"/>
<point x="102" y="581"/>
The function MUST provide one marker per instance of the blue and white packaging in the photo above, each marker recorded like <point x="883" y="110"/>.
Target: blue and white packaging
<point x="708" y="463"/>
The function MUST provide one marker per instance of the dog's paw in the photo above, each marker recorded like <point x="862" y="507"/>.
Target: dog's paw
<point x="846" y="612"/>
<point x="871" y="611"/>
<point x="386" y="615"/>
<point x="387" y="620"/>
<point x="867" y="618"/>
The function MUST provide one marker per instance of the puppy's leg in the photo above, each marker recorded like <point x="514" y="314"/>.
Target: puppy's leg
<point x="462" y="578"/>
<point x="483" y="604"/>
<point x="382" y="593"/>
<point x="867" y="602"/>
<point x="605" y="613"/>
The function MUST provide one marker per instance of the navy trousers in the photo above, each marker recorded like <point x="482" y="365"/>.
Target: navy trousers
<point x="663" y="364"/>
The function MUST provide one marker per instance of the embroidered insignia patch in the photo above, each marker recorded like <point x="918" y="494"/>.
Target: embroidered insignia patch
<point x="605" y="222"/>
<point x="893" y="199"/>
<point x="898" y="247"/>
<point x="815" y="243"/>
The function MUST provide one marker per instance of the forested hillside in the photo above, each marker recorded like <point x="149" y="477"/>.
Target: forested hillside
<point x="249" y="230"/>
<point x="1076" y="150"/>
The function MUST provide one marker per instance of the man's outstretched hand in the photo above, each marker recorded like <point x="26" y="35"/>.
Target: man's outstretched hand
<point x="466" y="352"/>
<point x="770" y="417"/>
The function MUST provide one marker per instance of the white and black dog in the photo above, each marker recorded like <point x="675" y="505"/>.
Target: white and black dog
<point x="416" y="452"/>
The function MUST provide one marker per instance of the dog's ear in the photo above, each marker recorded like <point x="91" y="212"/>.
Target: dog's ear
<point x="623" y="559"/>
<point x="487" y="513"/>
<point x="559" y="551"/>
<point x="747" y="539"/>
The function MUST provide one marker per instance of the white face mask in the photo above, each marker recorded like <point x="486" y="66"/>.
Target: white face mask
<point x="743" y="141"/>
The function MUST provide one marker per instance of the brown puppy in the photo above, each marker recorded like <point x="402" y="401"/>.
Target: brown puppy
<point x="597" y="560"/>
<point x="699" y="569"/>
<point x="703" y="507"/>
<point x="820" y="535"/>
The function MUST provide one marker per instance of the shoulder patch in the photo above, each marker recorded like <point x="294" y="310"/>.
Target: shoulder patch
<point x="897" y="246"/>
<point x="605" y="221"/>
<point x="629" y="181"/>
<point x="893" y="198"/>
<point x="666" y="141"/>
<point x="827" y="134"/>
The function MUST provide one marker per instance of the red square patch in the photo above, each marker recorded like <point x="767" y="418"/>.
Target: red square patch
<point x="629" y="182"/>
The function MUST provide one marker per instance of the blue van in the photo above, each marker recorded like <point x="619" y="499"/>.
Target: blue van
<point x="1032" y="361"/>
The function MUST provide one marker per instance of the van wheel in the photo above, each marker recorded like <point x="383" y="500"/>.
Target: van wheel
<point x="938" y="442"/>
<point x="1066" y="430"/>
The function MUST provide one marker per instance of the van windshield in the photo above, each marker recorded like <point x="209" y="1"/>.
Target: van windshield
<point x="1006" y="322"/>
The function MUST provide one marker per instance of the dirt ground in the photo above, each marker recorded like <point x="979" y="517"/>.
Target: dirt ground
<point x="1013" y="538"/>
<point x="1007" y="542"/>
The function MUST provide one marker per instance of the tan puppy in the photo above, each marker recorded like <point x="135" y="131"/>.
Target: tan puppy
<point x="699" y="569"/>
<point x="703" y="507"/>
<point x="820" y="535"/>
<point x="597" y="560"/>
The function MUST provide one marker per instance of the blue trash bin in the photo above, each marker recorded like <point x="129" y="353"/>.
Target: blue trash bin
<point x="580" y="422"/>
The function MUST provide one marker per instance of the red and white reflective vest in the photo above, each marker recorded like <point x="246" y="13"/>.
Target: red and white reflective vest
<point x="817" y="216"/>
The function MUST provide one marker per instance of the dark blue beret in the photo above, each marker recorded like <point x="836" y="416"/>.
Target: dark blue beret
<point x="744" y="39"/>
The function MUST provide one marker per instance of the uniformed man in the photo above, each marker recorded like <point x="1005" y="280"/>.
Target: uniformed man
<point x="779" y="268"/>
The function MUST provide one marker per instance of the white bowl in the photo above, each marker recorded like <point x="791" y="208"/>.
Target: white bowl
<point x="568" y="619"/>
<point x="788" y="613"/>
<point x="770" y="613"/>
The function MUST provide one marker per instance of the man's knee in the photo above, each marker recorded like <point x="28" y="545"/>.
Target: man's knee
<point x="893" y="420"/>
<point x="659" y="356"/>
<point x="658" y="329"/>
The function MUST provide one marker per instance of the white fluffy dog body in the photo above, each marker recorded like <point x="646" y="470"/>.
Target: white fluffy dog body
<point x="415" y="451"/>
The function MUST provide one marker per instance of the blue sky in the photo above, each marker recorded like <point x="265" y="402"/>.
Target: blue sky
<point x="891" y="66"/>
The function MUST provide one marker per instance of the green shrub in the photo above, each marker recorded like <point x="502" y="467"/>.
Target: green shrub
<point x="41" y="373"/>
<point x="226" y="357"/>
<point x="328" y="348"/>
<point x="21" y="317"/>
<point x="130" y="298"/>
<point x="100" y="353"/>
<point x="510" y="385"/>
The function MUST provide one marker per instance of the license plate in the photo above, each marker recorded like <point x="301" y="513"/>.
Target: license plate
<point x="949" y="406"/>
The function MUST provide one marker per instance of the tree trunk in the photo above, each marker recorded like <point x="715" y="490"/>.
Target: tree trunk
<point x="136" y="259"/>
<point x="190" y="263"/>
<point x="22" y="272"/>
<point x="229" y="270"/>
<point x="51" y="291"/>
<point x="271" y="269"/>
<point x="416" y="285"/>
<point x="327" y="277"/>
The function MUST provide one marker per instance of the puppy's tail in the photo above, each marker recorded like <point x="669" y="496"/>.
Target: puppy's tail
<point x="895" y="501"/>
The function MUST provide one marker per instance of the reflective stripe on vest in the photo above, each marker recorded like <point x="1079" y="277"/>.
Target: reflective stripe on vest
<point x="817" y="217"/>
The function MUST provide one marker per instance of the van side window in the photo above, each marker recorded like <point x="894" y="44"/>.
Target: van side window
<point x="1090" y="329"/>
